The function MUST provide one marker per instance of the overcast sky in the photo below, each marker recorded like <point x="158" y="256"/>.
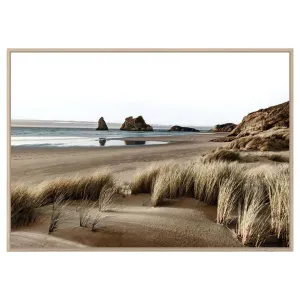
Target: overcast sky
<point x="166" y="88"/>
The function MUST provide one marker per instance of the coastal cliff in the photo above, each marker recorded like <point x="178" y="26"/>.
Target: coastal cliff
<point x="264" y="130"/>
<point x="263" y="119"/>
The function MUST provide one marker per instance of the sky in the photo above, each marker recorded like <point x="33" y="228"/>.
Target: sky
<point x="201" y="89"/>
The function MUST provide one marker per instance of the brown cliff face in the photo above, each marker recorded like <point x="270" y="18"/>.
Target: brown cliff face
<point x="263" y="119"/>
<point x="101" y="124"/>
<point x="136" y="124"/>
<point x="263" y="130"/>
<point x="227" y="127"/>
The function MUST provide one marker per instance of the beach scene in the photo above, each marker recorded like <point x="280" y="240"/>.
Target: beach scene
<point x="149" y="150"/>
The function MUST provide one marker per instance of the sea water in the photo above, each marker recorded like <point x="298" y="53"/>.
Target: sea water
<point x="87" y="137"/>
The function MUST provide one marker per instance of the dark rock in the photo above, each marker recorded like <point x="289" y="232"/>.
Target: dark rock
<point x="136" y="124"/>
<point x="227" y="127"/>
<point x="180" y="128"/>
<point x="102" y="125"/>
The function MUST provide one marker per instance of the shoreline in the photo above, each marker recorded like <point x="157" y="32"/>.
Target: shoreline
<point x="35" y="164"/>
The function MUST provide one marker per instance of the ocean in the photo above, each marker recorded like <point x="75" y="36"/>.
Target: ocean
<point x="86" y="137"/>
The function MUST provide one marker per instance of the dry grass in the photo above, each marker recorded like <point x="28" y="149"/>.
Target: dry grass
<point x="106" y="198"/>
<point x="254" y="216"/>
<point x="278" y="185"/>
<point x="143" y="181"/>
<point x="57" y="213"/>
<point x="173" y="181"/>
<point x="24" y="205"/>
<point x="276" y="157"/>
<point x="231" y="191"/>
<point x="96" y="223"/>
<point x="84" y="212"/>
<point x="274" y="139"/>
<point x="257" y="156"/>
<point x="75" y="188"/>
<point x="209" y="177"/>
<point x="261" y="193"/>
<point x="27" y="200"/>
<point x="221" y="155"/>
<point x="194" y="179"/>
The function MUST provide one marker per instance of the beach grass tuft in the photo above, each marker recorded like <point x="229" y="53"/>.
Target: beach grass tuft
<point x="26" y="201"/>
<point x="24" y="205"/>
<point x="57" y="213"/>
<point x="222" y="155"/>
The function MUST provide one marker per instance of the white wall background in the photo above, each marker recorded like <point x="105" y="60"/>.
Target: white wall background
<point x="231" y="23"/>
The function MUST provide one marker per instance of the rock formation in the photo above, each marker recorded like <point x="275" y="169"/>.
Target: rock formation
<point x="227" y="127"/>
<point x="264" y="130"/>
<point x="180" y="128"/>
<point x="263" y="119"/>
<point x="102" y="125"/>
<point x="136" y="124"/>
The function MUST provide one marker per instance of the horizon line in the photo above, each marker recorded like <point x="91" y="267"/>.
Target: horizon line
<point x="80" y="121"/>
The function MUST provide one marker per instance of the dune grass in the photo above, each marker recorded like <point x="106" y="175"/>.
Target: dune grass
<point x="276" y="157"/>
<point x="143" y="181"/>
<point x="230" y="192"/>
<point x="258" y="194"/>
<point x="57" y="213"/>
<point x="24" y="205"/>
<point x="254" y="215"/>
<point x="279" y="196"/>
<point x="84" y="212"/>
<point x="172" y="181"/>
<point x="96" y="222"/>
<point x="75" y="188"/>
<point x="221" y="155"/>
<point x="274" y="139"/>
<point x="107" y="197"/>
<point x="26" y="201"/>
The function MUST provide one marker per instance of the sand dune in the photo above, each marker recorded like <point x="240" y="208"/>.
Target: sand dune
<point x="131" y="224"/>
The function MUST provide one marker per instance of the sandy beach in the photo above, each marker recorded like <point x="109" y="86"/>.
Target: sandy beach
<point x="131" y="223"/>
<point x="33" y="165"/>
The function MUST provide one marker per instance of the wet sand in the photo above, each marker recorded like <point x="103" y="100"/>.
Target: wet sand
<point x="33" y="165"/>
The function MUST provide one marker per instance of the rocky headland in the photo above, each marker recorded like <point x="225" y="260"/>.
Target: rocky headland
<point x="265" y="130"/>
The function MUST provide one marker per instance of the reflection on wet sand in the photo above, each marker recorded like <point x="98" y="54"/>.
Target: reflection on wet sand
<point x="107" y="142"/>
<point x="102" y="142"/>
<point x="128" y="143"/>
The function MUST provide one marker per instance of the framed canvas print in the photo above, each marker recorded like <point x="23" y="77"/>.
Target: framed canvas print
<point x="150" y="149"/>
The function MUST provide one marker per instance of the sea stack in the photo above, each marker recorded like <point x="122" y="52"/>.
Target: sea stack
<point x="180" y="128"/>
<point x="101" y="124"/>
<point x="136" y="124"/>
